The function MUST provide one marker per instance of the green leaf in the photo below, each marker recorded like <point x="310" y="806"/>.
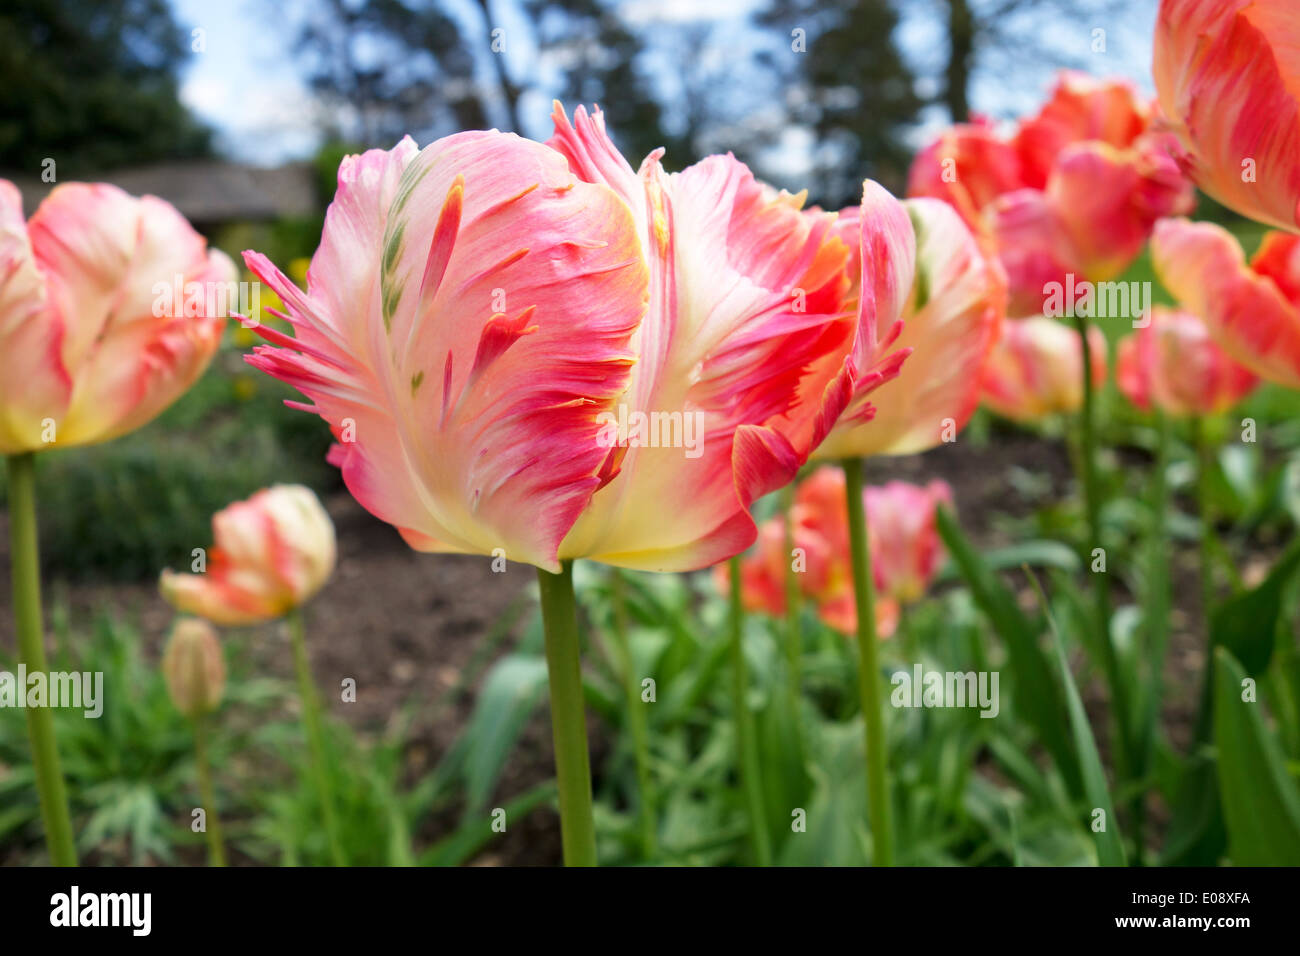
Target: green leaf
<point x="1261" y="804"/>
<point x="510" y="694"/>
<point x="1039" y="696"/>
<point x="1246" y="623"/>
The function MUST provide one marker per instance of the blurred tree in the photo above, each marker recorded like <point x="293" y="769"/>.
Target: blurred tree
<point x="386" y="68"/>
<point x="91" y="84"/>
<point x="598" y="56"/>
<point x="848" y="85"/>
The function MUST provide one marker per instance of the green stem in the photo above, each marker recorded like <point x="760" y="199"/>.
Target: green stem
<point x="568" y="717"/>
<point x="873" y="709"/>
<point x="636" y="716"/>
<point x="793" y="631"/>
<point x="1205" y="511"/>
<point x="746" y="743"/>
<point x="26" y="577"/>
<point x="311" y="721"/>
<point x="212" y="821"/>
<point x="1100" y="580"/>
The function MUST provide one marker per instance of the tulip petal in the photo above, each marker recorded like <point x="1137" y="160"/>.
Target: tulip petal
<point x="1203" y="267"/>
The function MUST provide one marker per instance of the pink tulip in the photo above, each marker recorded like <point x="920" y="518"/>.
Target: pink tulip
<point x="1228" y="76"/>
<point x="1252" y="310"/>
<point x="1036" y="369"/>
<point x="930" y="272"/>
<point x="270" y="554"/>
<point x="89" y="348"/>
<point x="1075" y="190"/>
<point x="905" y="551"/>
<point x="1172" y="364"/>
<point x="487" y="319"/>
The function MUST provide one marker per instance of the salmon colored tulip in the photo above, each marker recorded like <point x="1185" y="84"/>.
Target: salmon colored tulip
<point x="270" y="554"/>
<point x="1074" y="190"/>
<point x="534" y="348"/>
<point x="905" y="551"/>
<point x="1172" y="364"/>
<point x="94" y="342"/>
<point x="1036" y="369"/>
<point x="1228" y="76"/>
<point x="1252" y="310"/>
<point x="951" y="297"/>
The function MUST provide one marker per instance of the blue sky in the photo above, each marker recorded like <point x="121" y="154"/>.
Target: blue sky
<point x="245" y="84"/>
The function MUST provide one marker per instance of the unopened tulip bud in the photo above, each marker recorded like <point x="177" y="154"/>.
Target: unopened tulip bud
<point x="194" y="668"/>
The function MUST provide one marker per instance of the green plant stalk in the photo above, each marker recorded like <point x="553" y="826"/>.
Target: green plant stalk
<point x="311" y="721"/>
<point x="746" y="742"/>
<point x="1100" y="580"/>
<point x="873" y="708"/>
<point x="212" y="821"/>
<point x="568" y="716"/>
<point x="636" y="717"/>
<point x="793" y="631"/>
<point x="1205" y="512"/>
<point x="26" y="579"/>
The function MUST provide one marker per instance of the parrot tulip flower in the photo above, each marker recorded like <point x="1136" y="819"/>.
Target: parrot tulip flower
<point x="1036" y="369"/>
<point x="1075" y="190"/>
<point x="89" y="349"/>
<point x="905" y="549"/>
<point x="1227" y="73"/>
<point x="1252" y="310"/>
<point x="193" y="667"/>
<point x="488" y="320"/>
<point x="1172" y="364"/>
<point x="931" y="272"/>
<point x="270" y="555"/>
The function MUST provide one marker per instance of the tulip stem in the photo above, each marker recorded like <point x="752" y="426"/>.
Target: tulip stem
<point x="873" y="711"/>
<point x="26" y="579"/>
<point x="636" y="718"/>
<point x="746" y="743"/>
<point x="793" y="631"/>
<point x="311" y="721"/>
<point x="1100" y="579"/>
<point x="568" y="715"/>
<point x="1205" y="512"/>
<point x="212" y="821"/>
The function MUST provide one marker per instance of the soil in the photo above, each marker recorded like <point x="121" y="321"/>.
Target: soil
<point x="406" y="625"/>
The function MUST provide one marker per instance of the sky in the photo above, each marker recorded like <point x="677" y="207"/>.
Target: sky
<point x="244" y="83"/>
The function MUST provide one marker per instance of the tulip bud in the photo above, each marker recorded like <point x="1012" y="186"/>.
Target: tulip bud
<point x="194" y="668"/>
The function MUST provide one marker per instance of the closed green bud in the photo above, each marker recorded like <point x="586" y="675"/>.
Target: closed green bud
<point x="194" y="668"/>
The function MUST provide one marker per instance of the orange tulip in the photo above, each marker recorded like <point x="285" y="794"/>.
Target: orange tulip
<point x="1172" y="364"/>
<point x="1228" y="76"/>
<point x="1252" y="310"/>
<point x="93" y="341"/>
<point x="1036" y="369"/>
<point x="271" y="554"/>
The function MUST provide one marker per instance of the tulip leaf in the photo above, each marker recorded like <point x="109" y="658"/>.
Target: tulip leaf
<point x="1246" y="624"/>
<point x="511" y="692"/>
<point x="1039" y="696"/>
<point x="1261" y="803"/>
<point x="1110" y="848"/>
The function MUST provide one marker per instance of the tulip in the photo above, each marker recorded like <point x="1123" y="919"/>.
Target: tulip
<point x="1075" y="190"/>
<point x="89" y="350"/>
<point x="272" y="553"/>
<point x="1252" y="310"/>
<point x="950" y="297"/>
<point x="94" y="341"/>
<point x="1035" y="369"/>
<point x="905" y="548"/>
<point x="195" y="673"/>
<point x="1227" y="74"/>
<point x="490" y="322"/>
<point x="1173" y="365"/>
<point x="194" y="668"/>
